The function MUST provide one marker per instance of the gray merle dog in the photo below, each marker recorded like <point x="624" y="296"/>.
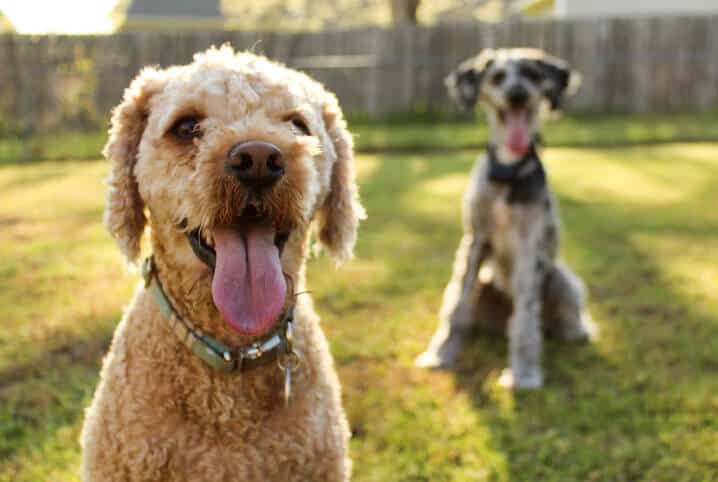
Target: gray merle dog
<point x="506" y="265"/>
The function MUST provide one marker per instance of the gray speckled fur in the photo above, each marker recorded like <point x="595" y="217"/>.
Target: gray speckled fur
<point x="519" y="242"/>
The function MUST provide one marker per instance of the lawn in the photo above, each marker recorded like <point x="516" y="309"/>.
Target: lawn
<point x="428" y="132"/>
<point x="640" y="224"/>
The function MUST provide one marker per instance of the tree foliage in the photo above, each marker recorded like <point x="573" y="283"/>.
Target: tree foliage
<point x="5" y="25"/>
<point x="334" y="14"/>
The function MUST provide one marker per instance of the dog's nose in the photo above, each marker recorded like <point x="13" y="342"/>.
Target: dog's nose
<point x="517" y="96"/>
<point x="257" y="164"/>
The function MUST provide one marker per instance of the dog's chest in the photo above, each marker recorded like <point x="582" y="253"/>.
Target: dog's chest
<point x="501" y="214"/>
<point x="503" y="227"/>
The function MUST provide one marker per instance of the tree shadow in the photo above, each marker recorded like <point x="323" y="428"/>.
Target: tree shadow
<point x="75" y="349"/>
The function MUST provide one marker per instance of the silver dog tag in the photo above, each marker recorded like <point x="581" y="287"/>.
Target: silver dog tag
<point x="288" y="362"/>
<point x="287" y="385"/>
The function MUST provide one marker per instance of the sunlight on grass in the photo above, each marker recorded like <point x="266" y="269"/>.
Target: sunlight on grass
<point x="57" y="251"/>
<point x="687" y="265"/>
<point x="620" y="178"/>
<point x="659" y="175"/>
<point x="366" y="166"/>
<point x="438" y="196"/>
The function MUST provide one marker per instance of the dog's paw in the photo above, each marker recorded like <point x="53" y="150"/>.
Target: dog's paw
<point x="585" y="331"/>
<point x="590" y="328"/>
<point x="443" y="349"/>
<point x="527" y="381"/>
<point x="431" y="359"/>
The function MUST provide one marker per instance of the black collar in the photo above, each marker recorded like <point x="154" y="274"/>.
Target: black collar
<point x="526" y="177"/>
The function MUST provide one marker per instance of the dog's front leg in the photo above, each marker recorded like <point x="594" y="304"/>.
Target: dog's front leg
<point x="525" y="341"/>
<point x="458" y="308"/>
<point x="456" y="316"/>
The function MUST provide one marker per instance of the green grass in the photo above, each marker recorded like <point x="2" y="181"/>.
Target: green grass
<point x="421" y="132"/>
<point x="578" y="130"/>
<point x="81" y="144"/>
<point x="640" y="225"/>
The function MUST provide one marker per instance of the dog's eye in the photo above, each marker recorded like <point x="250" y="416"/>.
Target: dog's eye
<point x="498" y="77"/>
<point x="299" y="124"/>
<point x="186" y="128"/>
<point x="531" y="73"/>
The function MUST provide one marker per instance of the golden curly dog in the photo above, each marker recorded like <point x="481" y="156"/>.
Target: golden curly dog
<point x="231" y="162"/>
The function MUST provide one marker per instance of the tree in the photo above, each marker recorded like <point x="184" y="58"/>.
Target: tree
<point x="404" y="11"/>
<point x="5" y="25"/>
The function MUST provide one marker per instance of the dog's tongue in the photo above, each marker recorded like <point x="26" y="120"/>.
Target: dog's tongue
<point x="248" y="287"/>
<point x="518" y="140"/>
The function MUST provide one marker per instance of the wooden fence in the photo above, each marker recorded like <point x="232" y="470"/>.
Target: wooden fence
<point x="628" y="65"/>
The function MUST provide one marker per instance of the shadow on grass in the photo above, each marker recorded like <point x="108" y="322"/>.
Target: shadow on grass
<point x="47" y="392"/>
<point x="75" y="350"/>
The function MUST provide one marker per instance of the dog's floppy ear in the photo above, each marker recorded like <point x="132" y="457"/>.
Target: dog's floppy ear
<point x="560" y="80"/>
<point x="338" y="217"/>
<point x="464" y="83"/>
<point x="124" y="210"/>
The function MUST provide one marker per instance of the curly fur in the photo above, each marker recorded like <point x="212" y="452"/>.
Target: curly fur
<point x="343" y="200"/>
<point x="159" y="413"/>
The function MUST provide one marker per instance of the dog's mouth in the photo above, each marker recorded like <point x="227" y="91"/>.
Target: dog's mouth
<point x="248" y="286"/>
<point x="518" y="129"/>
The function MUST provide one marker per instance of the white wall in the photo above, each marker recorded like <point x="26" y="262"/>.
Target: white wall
<point x="623" y="8"/>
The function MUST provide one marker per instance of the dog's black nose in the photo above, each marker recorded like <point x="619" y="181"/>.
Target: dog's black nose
<point x="257" y="164"/>
<point x="517" y="96"/>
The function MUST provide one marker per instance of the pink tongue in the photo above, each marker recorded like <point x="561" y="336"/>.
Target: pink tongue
<point x="519" y="139"/>
<point x="248" y="287"/>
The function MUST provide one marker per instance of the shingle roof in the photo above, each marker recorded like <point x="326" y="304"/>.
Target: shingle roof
<point x="175" y="8"/>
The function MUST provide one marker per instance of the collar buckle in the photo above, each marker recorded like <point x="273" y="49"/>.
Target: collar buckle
<point x="253" y="351"/>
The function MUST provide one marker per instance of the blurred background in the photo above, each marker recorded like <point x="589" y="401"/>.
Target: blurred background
<point x="633" y="161"/>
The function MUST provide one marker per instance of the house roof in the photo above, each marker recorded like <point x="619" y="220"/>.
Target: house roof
<point x="175" y="8"/>
<point x="535" y="7"/>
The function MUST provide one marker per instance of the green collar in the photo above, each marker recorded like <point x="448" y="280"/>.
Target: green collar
<point x="277" y="347"/>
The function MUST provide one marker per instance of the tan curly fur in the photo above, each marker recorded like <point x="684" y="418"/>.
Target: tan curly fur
<point x="124" y="216"/>
<point x="343" y="201"/>
<point x="159" y="412"/>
